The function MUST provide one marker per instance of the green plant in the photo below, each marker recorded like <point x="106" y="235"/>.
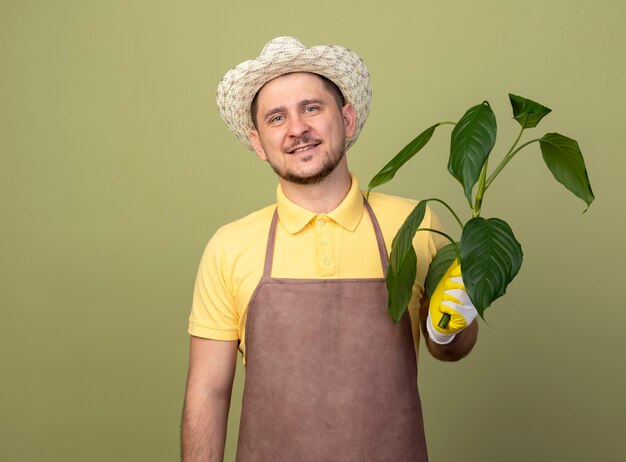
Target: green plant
<point x="489" y="253"/>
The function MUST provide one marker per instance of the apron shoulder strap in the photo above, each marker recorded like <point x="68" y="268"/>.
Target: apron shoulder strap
<point x="382" y="249"/>
<point x="269" y="250"/>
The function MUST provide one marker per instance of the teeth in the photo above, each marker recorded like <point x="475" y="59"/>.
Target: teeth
<point x="305" y="148"/>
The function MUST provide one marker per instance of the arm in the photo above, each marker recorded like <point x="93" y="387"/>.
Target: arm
<point x="207" y="399"/>
<point x="460" y="347"/>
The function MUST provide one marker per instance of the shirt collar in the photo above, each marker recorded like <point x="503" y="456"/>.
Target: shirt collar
<point x="347" y="214"/>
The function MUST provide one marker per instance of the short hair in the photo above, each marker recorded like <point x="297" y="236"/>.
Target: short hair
<point x="330" y="86"/>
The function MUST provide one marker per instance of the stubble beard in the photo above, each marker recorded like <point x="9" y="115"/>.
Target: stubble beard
<point x="332" y="158"/>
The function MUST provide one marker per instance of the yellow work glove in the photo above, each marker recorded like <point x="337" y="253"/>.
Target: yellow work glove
<point x="450" y="297"/>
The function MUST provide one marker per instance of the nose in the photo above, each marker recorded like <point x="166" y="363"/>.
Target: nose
<point x="297" y="126"/>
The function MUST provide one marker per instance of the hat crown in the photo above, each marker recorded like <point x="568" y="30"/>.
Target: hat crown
<point x="280" y="44"/>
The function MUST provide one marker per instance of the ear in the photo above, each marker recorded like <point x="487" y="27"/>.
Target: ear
<point x="255" y="141"/>
<point x="349" y="119"/>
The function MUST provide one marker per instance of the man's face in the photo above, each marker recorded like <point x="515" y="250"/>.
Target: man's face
<point x="301" y="131"/>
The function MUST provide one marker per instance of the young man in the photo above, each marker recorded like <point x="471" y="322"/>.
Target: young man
<point x="298" y="287"/>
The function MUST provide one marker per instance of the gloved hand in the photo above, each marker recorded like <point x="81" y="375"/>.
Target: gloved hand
<point x="450" y="297"/>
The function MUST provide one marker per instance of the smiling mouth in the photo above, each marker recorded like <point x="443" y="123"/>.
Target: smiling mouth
<point x="299" y="149"/>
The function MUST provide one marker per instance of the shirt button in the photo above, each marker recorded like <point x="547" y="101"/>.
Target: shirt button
<point x="324" y="241"/>
<point x="321" y="223"/>
<point x="327" y="261"/>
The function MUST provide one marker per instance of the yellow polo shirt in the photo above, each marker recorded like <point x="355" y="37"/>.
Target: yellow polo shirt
<point x="339" y="244"/>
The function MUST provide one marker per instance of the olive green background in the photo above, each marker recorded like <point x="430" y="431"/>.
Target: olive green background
<point x="116" y="169"/>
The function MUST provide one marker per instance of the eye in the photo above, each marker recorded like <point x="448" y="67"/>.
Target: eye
<point x="310" y="109"/>
<point x="276" y="119"/>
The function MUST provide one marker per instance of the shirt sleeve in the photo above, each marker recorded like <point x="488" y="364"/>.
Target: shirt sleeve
<point x="213" y="312"/>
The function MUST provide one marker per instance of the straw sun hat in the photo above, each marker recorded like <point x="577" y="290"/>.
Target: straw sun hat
<point x="284" y="55"/>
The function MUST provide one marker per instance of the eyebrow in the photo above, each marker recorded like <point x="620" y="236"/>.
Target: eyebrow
<point x="306" y="102"/>
<point x="303" y="103"/>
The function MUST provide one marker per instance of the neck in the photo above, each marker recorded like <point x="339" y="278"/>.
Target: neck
<point x="322" y="197"/>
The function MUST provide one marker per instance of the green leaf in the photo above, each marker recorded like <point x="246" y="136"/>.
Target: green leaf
<point x="389" y="170"/>
<point x="399" y="282"/>
<point x="472" y="140"/>
<point x="438" y="268"/>
<point x="491" y="257"/>
<point x="527" y="112"/>
<point x="403" y="263"/>
<point x="563" y="157"/>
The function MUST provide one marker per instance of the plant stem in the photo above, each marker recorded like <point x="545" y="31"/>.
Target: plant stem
<point x="482" y="187"/>
<point x="508" y="158"/>
<point x="454" y="244"/>
<point x="444" y="321"/>
<point x="445" y="318"/>
<point x="449" y="208"/>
